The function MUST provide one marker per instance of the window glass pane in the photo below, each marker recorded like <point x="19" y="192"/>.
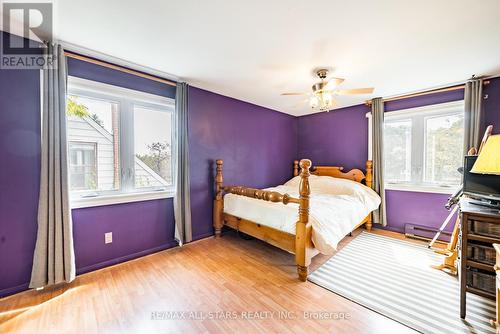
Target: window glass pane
<point x="397" y="150"/>
<point x="93" y="133"/>
<point x="152" y="145"/>
<point x="83" y="168"/>
<point x="443" y="149"/>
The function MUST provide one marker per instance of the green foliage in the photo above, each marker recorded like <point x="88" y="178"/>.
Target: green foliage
<point x="397" y="140"/>
<point x="73" y="108"/>
<point x="444" y="149"/>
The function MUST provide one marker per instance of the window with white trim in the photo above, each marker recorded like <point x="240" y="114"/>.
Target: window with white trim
<point x="120" y="142"/>
<point x="83" y="165"/>
<point x="423" y="147"/>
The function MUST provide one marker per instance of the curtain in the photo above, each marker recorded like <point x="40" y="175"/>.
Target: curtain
<point x="182" y="203"/>
<point x="379" y="215"/>
<point x="473" y="118"/>
<point x="54" y="259"/>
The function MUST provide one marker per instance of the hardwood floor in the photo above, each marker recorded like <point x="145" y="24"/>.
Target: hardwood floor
<point x="244" y="278"/>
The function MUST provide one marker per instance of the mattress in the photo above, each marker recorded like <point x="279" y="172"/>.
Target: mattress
<point x="337" y="206"/>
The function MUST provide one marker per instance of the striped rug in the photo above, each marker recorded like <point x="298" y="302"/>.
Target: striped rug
<point x="394" y="278"/>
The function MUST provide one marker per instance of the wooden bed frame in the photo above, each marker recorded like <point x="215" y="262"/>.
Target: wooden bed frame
<point x="299" y="244"/>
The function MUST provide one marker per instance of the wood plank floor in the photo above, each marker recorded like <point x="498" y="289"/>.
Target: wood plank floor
<point x="246" y="278"/>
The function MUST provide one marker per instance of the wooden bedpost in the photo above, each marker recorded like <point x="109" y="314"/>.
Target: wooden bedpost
<point x="303" y="228"/>
<point x="295" y="167"/>
<point x="369" y="183"/>
<point x="219" y="201"/>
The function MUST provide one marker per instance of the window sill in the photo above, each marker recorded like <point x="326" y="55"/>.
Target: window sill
<point x="421" y="188"/>
<point x="86" y="202"/>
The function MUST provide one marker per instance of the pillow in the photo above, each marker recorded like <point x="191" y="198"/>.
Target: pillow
<point x="333" y="186"/>
<point x="329" y="185"/>
<point x="295" y="181"/>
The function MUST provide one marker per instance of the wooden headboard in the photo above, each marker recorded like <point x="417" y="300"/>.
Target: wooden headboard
<point x="336" y="171"/>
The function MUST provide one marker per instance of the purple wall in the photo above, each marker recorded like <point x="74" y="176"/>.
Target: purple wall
<point x="19" y="175"/>
<point x="340" y="137"/>
<point x="138" y="228"/>
<point x="109" y="76"/>
<point x="492" y="104"/>
<point x="258" y="146"/>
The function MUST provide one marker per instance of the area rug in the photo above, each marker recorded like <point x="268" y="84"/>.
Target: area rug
<point x="394" y="278"/>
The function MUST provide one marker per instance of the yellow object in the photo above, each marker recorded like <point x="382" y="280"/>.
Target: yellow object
<point x="488" y="161"/>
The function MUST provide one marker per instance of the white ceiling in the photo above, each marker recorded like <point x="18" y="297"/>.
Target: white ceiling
<point x="255" y="50"/>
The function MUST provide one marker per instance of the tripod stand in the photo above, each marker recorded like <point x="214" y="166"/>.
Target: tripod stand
<point x="450" y="252"/>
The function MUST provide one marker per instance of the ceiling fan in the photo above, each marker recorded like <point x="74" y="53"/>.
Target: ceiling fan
<point x="323" y="93"/>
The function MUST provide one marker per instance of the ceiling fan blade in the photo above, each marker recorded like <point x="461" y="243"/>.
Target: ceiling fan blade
<point x="354" y="91"/>
<point x="293" y="94"/>
<point x="332" y="83"/>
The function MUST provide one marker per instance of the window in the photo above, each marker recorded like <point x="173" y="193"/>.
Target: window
<point x="423" y="147"/>
<point x="152" y="147"/>
<point x="83" y="166"/>
<point x="120" y="144"/>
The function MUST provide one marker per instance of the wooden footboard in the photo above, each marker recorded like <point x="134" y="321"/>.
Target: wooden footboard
<point x="303" y="247"/>
<point x="301" y="243"/>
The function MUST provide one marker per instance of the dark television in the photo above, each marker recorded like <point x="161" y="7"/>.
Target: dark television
<point x="481" y="186"/>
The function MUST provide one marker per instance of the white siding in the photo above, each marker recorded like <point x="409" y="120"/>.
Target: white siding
<point x="80" y="130"/>
<point x="85" y="130"/>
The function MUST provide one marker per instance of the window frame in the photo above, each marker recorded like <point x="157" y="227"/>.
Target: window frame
<point x="151" y="107"/>
<point x="126" y="99"/>
<point x="418" y="117"/>
<point x="81" y="142"/>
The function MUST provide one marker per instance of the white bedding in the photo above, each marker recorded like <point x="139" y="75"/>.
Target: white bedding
<point x="336" y="207"/>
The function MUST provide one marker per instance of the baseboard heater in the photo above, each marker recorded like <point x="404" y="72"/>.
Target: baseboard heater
<point x="425" y="233"/>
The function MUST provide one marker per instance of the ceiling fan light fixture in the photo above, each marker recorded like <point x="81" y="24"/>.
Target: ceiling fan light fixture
<point x="324" y="92"/>
<point x="322" y="101"/>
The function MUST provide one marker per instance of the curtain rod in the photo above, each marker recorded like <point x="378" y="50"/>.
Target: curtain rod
<point x="118" y="68"/>
<point x="433" y="91"/>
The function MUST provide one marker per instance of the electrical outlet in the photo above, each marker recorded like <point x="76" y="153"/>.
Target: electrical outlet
<point x="108" y="237"/>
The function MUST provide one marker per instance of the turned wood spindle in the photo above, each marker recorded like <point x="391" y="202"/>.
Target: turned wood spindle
<point x="218" y="202"/>
<point x="302" y="257"/>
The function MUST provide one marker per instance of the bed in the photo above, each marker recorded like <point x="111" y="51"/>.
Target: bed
<point x="306" y="216"/>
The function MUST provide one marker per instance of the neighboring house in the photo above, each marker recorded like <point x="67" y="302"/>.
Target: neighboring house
<point x="92" y="158"/>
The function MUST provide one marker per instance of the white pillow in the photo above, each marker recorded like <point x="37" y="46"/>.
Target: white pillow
<point x="333" y="186"/>
<point x="330" y="185"/>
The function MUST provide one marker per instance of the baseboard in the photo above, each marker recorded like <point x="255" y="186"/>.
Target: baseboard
<point x="203" y="236"/>
<point x="125" y="258"/>
<point x="389" y="228"/>
<point x="13" y="290"/>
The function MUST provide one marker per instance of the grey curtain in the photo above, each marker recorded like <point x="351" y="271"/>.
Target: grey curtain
<point x="54" y="259"/>
<point x="379" y="215"/>
<point x="473" y="120"/>
<point x="182" y="203"/>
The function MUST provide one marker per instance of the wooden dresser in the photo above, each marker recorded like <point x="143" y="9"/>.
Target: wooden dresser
<point x="479" y="230"/>
<point x="495" y="322"/>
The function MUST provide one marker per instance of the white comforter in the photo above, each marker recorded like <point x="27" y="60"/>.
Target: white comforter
<point x="336" y="207"/>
